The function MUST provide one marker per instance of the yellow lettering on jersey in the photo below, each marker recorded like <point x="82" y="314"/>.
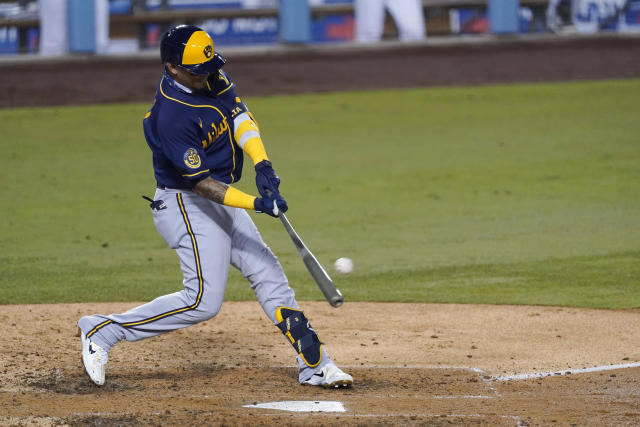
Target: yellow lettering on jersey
<point x="236" y="111"/>
<point x="216" y="132"/>
<point x="146" y="116"/>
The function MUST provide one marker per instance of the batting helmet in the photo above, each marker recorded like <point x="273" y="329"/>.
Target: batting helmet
<point x="191" y="48"/>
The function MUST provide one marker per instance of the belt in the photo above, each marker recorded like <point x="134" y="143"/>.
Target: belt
<point x="164" y="187"/>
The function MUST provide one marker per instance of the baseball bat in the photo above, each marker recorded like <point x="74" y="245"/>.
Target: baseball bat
<point x="318" y="273"/>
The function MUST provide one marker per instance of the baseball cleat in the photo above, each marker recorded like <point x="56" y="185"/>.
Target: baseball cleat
<point x="330" y="376"/>
<point x="94" y="359"/>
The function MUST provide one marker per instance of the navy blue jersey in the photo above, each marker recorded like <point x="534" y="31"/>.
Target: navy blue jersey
<point x="190" y="133"/>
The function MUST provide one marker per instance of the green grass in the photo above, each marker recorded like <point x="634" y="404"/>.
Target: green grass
<point x="517" y="194"/>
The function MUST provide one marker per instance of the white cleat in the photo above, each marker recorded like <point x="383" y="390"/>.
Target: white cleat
<point x="330" y="376"/>
<point x="94" y="359"/>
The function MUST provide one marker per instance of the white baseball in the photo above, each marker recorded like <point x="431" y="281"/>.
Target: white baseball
<point x="343" y="265"/>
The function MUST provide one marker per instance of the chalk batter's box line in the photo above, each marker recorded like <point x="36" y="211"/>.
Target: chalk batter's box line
<point x="564" y="372"/>
<point x="514" y="377"/>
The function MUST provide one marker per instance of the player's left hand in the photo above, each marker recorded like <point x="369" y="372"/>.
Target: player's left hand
<point x="266" y="179"/>
<point x="273" y="206"/>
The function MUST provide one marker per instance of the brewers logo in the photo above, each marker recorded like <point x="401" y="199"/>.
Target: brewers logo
<point x="208" y="51"/>
<point x="191" y="158"/>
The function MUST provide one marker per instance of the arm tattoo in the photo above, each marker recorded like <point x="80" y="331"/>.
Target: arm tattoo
<point x="211" y="189"/>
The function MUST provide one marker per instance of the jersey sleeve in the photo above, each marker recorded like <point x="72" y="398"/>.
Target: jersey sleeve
<point x="247" y="136"/>
<point x="220" y="84"/>
<point x="225" y="90"/>
<point x="183" y="148"/>
<point x="246" y="132"/>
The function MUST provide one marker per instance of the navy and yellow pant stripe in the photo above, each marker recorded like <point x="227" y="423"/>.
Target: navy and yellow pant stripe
<point x="196" y="257"/>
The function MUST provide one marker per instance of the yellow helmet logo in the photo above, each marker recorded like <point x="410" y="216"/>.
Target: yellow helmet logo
<point x="198" y="49"/>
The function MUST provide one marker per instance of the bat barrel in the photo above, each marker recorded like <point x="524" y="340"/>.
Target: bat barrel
<point x="318" y="273"/>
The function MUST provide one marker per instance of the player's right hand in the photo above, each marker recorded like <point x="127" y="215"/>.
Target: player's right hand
<point x="267" y="181"/>
<point x="271" y="205"/>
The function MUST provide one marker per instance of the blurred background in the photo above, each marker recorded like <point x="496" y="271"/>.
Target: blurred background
<point x="58" y="27"/>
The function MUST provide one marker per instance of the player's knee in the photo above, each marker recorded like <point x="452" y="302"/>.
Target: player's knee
<point x="295" y="326"/>
<point x="206" y="309"/>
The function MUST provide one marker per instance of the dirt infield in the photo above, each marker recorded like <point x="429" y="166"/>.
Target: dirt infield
<point x="413" y="364"/>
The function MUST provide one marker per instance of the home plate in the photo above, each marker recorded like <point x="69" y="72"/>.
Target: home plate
<point x="301" y="406"/>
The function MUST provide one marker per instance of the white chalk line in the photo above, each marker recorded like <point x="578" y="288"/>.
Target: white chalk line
<point x="487" y="380"/>
<point x="563" y="372"/>
<point x="301" y="406"/>
<point x="513" y="377"/>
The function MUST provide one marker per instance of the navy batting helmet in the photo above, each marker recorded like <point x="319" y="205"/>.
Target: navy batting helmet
<point x="191" y="48"/>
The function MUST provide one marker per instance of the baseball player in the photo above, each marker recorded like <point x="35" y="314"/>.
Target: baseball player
<point x="407" y="14"/>
<point x="198" y="130"/>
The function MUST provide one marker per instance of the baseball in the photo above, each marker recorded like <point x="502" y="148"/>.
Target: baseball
<point x="343" y="265"/>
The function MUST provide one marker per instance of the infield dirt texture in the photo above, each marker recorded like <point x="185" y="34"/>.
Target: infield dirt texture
<point x="414" y="364"/>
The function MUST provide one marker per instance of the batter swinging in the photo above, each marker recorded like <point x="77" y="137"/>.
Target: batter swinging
<point x="198" y="130"/>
